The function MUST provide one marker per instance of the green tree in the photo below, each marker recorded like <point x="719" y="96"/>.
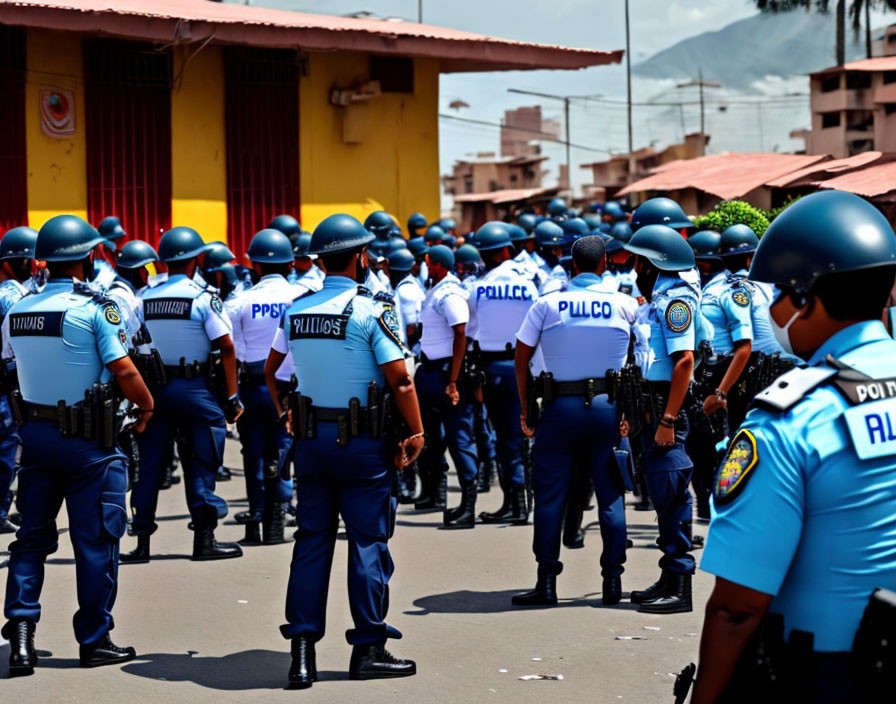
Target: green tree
<point x="859" y="10"/>
<point x="733" y="212"/>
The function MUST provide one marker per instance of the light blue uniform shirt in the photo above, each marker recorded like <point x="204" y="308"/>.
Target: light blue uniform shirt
<point x="499" y="302"/>
<point x="338" y="340"/>
<point x="675" y="324"/>
<point x="813" y="525"/>
<point x="183" y="318"/>
<point x="62" y="341"/>
<point x="727" y="303"/>
<point x="583" y="331"/>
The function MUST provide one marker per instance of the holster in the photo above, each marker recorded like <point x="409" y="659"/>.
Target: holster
<point x="217" y="379"/>
<point x="873" y="657"/>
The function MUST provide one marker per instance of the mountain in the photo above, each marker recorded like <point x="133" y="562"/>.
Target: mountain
<point x="749" y="50"/>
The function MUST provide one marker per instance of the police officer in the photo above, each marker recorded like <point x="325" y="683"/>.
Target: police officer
<point x="550" y="239"/>
<point x="68" y="340"/>
<point x="467" y="261"/>
<point x="342" y="342"/>
<point x="409" y="294"/>
<point x="676" y="331"/>
<point x="131" y="278"/>
<point x="305" y="271"/>
<point x="16" y="265"/>
<point x="577" y="419"/>
<point x="264" y="440"/>
<point x="186" y="322"/>
<point x="380" y="223"/>
<point x="416" y="222"/>
<point x="446" y="399"/>
<point x="286" y="224"/>
<point x="805" y="527"/>
<point x="556" y="209"/>
<point x="498" y="303"/>
<point x="104" y="260"/>
<point x="418" y="247"/>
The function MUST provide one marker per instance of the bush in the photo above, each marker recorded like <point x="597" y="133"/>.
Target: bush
<point x="775" y="212"/>
<point x="733" y="212"/>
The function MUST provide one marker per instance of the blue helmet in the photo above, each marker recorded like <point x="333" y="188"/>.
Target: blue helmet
<point x="575" y="228"/>
<point x="110" y="228"/>
<point x="65" y="238"/>
<point x="286" y="224"/>
<point x="593" y="219"/>
<point x="18" y="243"/>
<point x="135" y="255"/>
<point x="595" y="207"/>
<point x="492" y="235"/>
<point x="659" y="211"/>
<point x="705" y="244"/>
<point x="401" y="260"/>
<point x="440" y="254"/>
<point x="180" y="243"/>
<point x="270" y="246"/>
<point x="466" y="254"/>
<point x="415" y="222"/>
<point x="738" y="239"/>
<point x="614" y="210"/>
<point x="217" y="256"/>
<point x="527" y="221"/>
<point x="557" y="206"/>
<point x="396" y="242"/>
<point x="418" y="246"/>
<point x="829" y="232"/>
<point x="339" y="233"/>
<point x="621" y="231"/>
<point x="380" y="223"/>
<point x="434" y="234"/>
<point x="549" y="234"/>
<point x="447" y="224"/>
<point x="663" y="247"/>
<point x="518" y="233"/>
<point x="301" y="245"/>
<point x="611" y="246"/>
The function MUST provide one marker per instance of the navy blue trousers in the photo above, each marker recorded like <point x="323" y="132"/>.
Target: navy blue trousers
<point x="353" y="482"/>
<point x="668" y="472"/>
<point x="568" y="432"/>
<point x="185" y="405"/>
<point x="457" y="421"/>
<point x="485" y="434"/>
<point x="264" y="440"/>
<point x="503" y="401"/>
<point x="9" y="445"/>
<point x="92" y="482"/>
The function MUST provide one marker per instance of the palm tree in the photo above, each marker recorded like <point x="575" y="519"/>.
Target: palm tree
<point x="857" y="9"/>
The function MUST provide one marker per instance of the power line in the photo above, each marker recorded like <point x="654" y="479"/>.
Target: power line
<point x="546" y="135"/>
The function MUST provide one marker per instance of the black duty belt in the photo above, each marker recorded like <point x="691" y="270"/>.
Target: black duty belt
<point x="586" y="387"/>
<point x="335" y="414"/>
<point x="497" y="356"/>
<point x="37" y="411"/>
<point x="428" y="363"/>
<point x="187" y="371"/>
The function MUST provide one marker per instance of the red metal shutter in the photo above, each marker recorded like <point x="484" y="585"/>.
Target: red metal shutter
<point x="262" y="115"/>
<point x="128" y="114"/>
<point x="13" y="166"/>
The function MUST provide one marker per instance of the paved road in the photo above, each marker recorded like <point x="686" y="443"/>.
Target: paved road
<point x="208" y="632"/>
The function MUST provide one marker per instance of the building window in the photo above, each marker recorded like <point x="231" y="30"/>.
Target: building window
<point x="889" y="108"/>
<point x="261" y="108"/>
<point x="859" y="120"/>
<point x="514" y="178"/>
<point x="13" y="165"/>
<point x="128" y="116"/>
<point x="829" y="85"/>
<point x="830" y="119"/>
<point x="395" y="73"/>
<point x="890" y="76"/>
<point x="468" y="184"/>
<point x="858" y="81"/>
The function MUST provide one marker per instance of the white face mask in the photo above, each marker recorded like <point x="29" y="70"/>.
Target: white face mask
<point x="781" y="334"/>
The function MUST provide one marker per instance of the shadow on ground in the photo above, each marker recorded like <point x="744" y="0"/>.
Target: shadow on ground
<point x="470" y="602"/>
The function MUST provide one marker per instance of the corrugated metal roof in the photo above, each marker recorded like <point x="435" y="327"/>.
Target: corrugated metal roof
<point x="507" y="195"/>
<point x="871" y="181"/>
<point x="878" y="63"/>
<point x="824" y="168"/>
<point x="723" y="175"/>
<point x="186" y="21"/>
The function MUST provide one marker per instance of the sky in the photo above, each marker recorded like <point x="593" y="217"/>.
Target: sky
<point x="598" y="129"/>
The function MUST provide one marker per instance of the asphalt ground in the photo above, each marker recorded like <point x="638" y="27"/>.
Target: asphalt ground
<point x="208" y="631"/>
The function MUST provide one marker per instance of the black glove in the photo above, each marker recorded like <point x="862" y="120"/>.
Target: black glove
<point x="232" y="408"/>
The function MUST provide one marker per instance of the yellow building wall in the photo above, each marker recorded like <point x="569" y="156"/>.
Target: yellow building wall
<point x="394" y="166"/>
<point x="198" y="155"/>
<point x="57" y="167"/>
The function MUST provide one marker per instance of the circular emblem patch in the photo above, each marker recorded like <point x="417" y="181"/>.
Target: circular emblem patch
<point x="741" y="297"/>
<point x="112" y="314"/>
<point x="217" y="306"/>
<point x="678" y="316"/>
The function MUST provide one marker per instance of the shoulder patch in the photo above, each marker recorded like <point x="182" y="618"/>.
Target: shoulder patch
<point x="216" y="304"/>
<point x="741" y="297"/>
<point x="679" y="315"/>
<point x="388" y="321"/>
<point x="112" y="314"/>
<point x="736" y="468"/>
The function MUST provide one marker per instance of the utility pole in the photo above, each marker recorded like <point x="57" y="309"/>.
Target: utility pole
<point x="420" y="11"/>
<point x="868" y="50"/>
<point x="701" y="84"/>
<point x="566" y="134"/>
<point x="628" y="82"/>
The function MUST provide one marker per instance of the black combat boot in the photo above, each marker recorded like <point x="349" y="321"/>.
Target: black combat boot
<point x="272" y="526"/>
<point x="205" y="547"/>
<point x="303" y="670"/>
<point x="519" y="508"/>
<point x="441" y="488"/>
<point x="105" y="652"/>
<point x="545" y="592"/>
<point x="503" y="514"/>
<point x="676" y="599"/>
<point x="139" y="555"/>
<point x="654" y="591"/>
<point x="253" y="534"/>
<point x="426" y="500"/>
<point x="485" y="475"/>
<point x="243" y="517"/>
<point x="371" y="661"/>
<point x="612" y="591"/>
<point x="464" y="516"/>
<point x="22" y="656"/>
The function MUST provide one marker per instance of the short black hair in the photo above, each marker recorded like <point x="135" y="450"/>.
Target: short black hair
<point x="588" y="252"/>
<point x="339" y="260"/>
<point x="855" y="295"/>
<point x="267" y="268"/>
